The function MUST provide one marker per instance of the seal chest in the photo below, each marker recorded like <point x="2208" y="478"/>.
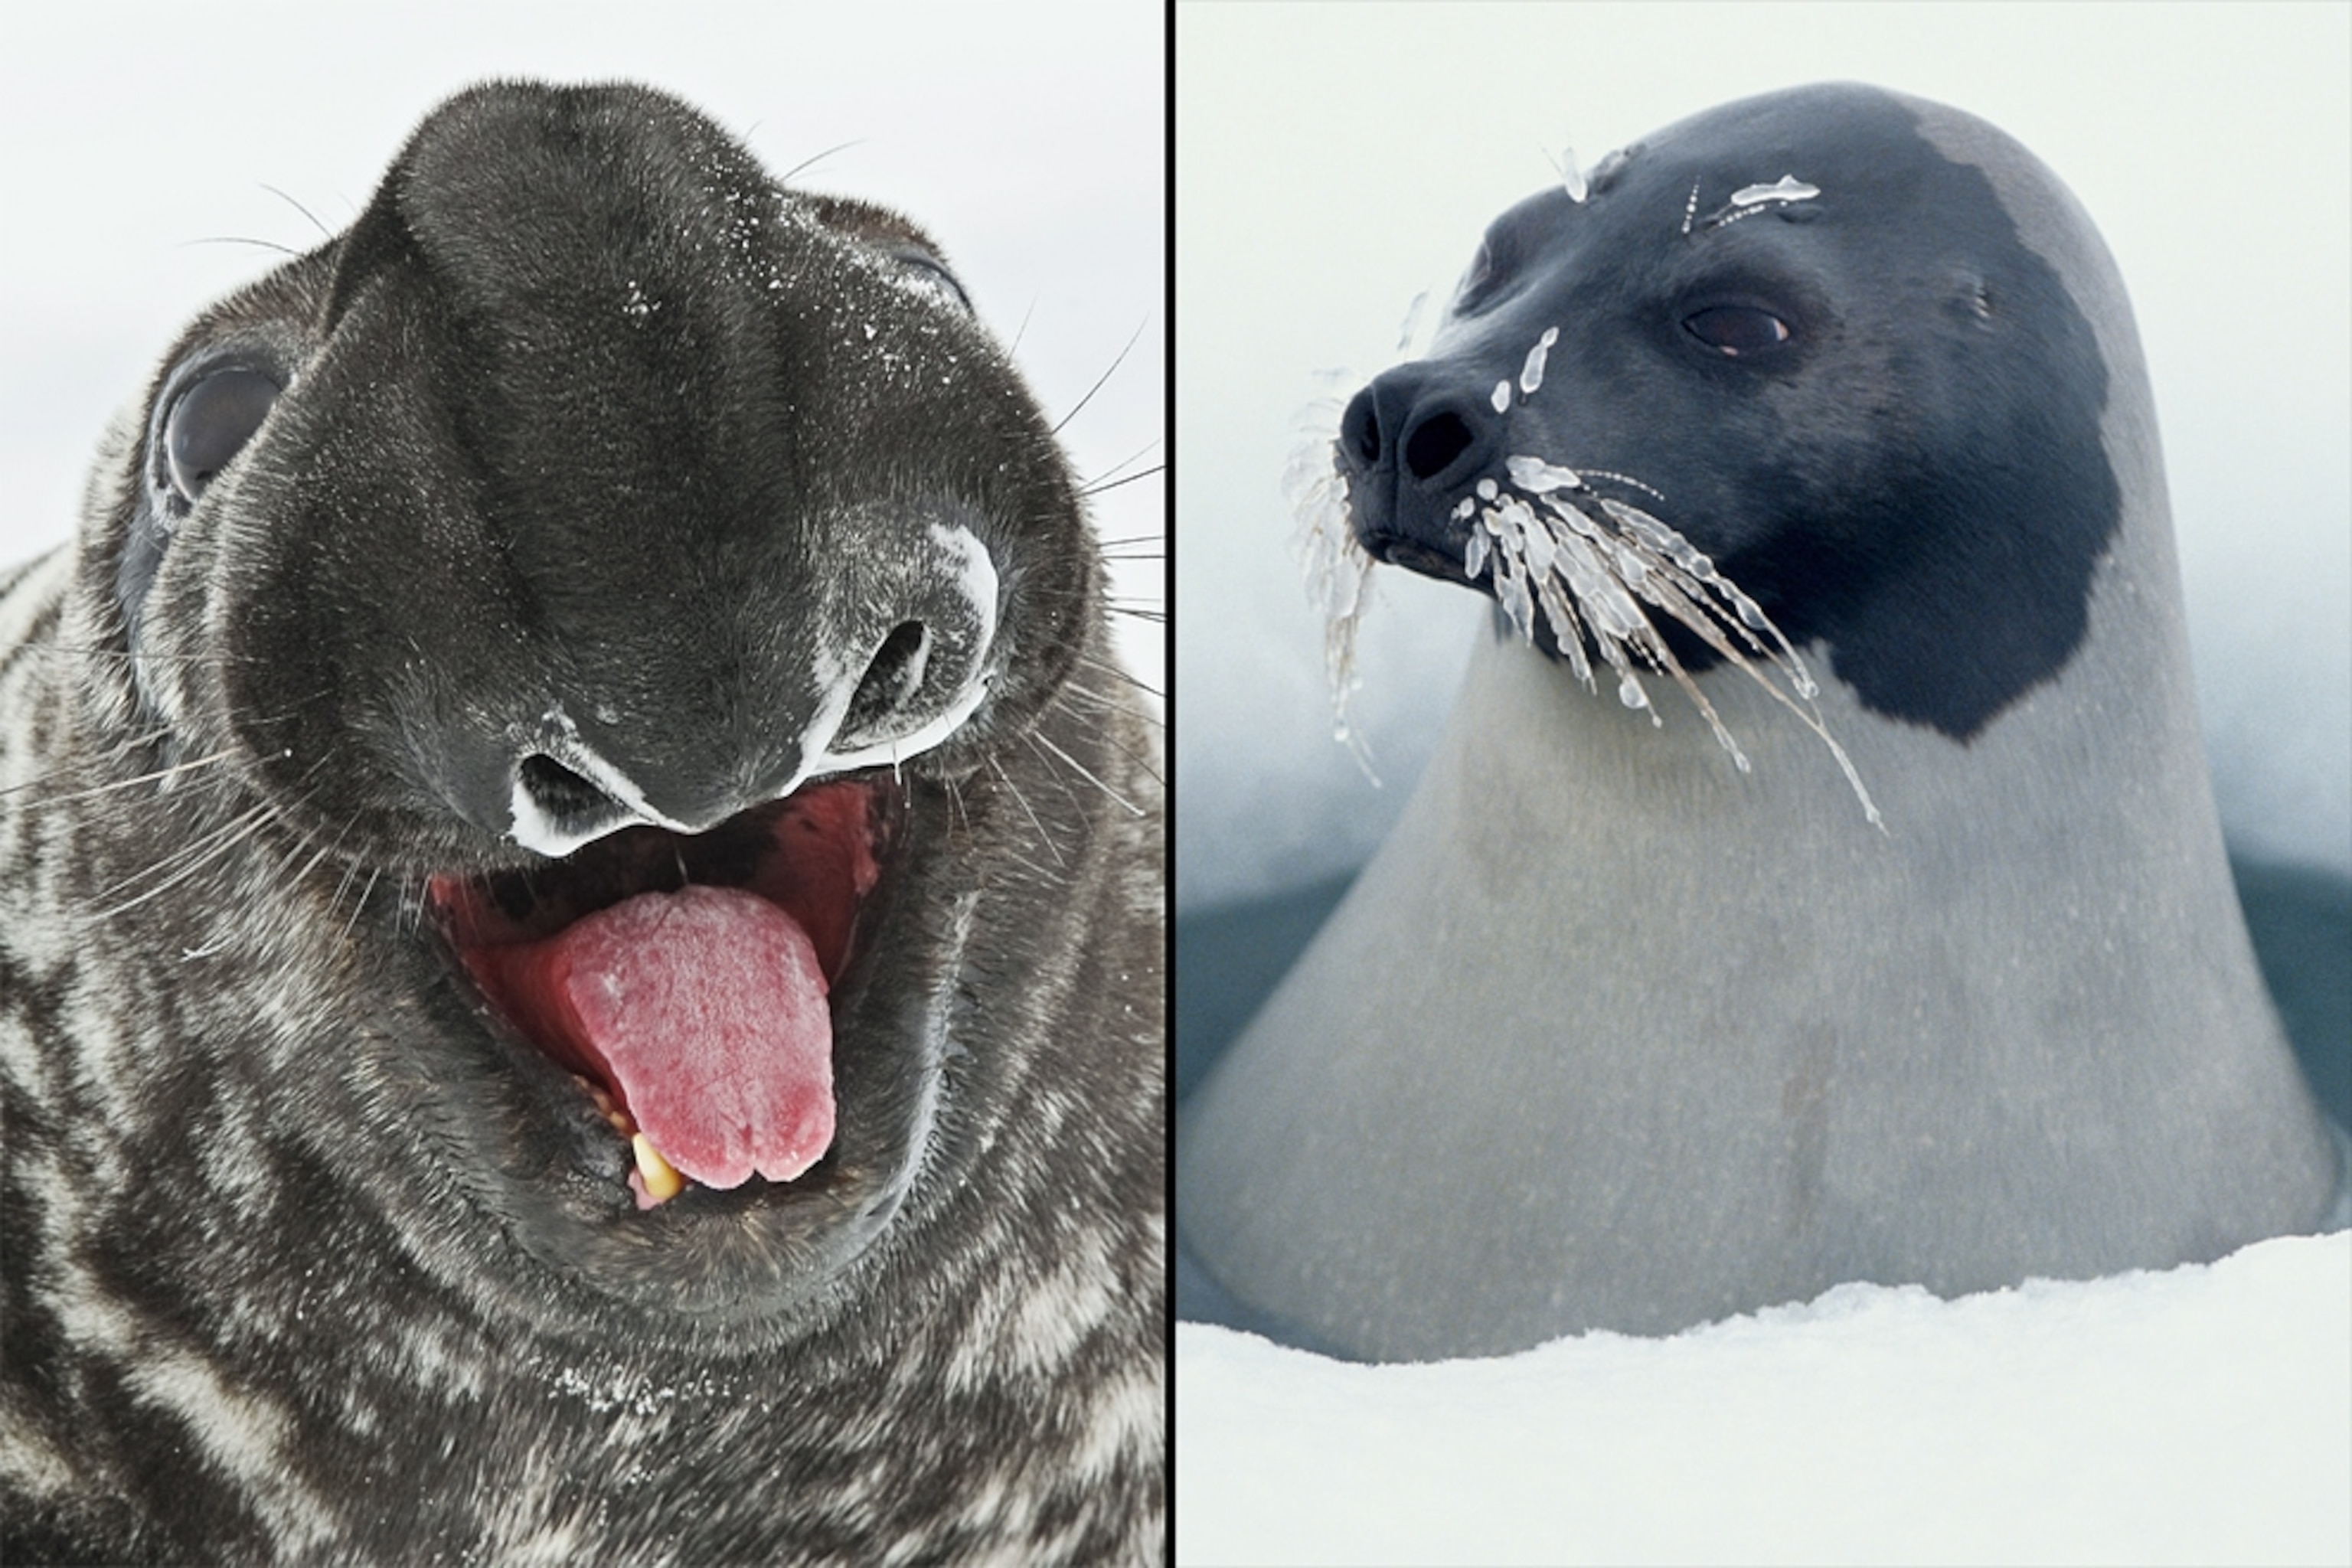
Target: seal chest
<point x="1636" y="1021"/>
<point x="570" y="844"/>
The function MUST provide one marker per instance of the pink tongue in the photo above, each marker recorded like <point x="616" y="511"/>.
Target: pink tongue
<point x="707" y="1008"/>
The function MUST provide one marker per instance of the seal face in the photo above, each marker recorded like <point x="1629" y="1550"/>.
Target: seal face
<point x="568" y="844"/>
<point x="1630" y="1023"/>
<point x="1859" y="392"/>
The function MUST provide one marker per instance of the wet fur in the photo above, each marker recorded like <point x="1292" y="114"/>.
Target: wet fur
<point x="280" y="1283"/>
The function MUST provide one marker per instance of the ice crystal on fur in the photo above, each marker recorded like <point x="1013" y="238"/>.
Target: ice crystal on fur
<point x="1409" y="329"/>
<point x="1787" y="188"/>
<point x="1587" y="563"/>
<point x="1338" y="569"/>
<point x="1531" y="373"/>
<point x="1751" y="200"/>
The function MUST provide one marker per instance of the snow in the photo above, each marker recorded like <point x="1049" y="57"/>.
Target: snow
<point x="2196" y="1415"/>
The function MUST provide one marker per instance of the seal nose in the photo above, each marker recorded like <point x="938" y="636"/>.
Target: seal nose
<point x="574" y="809"/>
<point x="1412" y="442"/>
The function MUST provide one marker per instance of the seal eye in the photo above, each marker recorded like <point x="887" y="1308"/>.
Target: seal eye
<point x="211" y="423"/>
<point x="1489" y="269"/>
<point x="1734" y="331"/>
<point x="1481" y="273"/>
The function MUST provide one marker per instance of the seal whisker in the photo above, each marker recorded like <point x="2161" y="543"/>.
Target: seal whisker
<point x="303" y="840"/>
<point x="1103" y="486"/>
<point x="1338" y="574"/>
<point x="241" y="240"/>
<point x="1117" y="671"/>
<point x="813" y="159"/>
<point x="1131" y="809"/>
<point x="175" y="770"/>
<point x="128" y="656"/>
<point x="191" y="858"/>
<point x="1142" y="761"/>
<point x="211" y="845"/>
<point x="1022" y="800"/>
<point x="1086" y="485"/>
<point x="350" y="874"/>
<point x="359" y="903"/>
<point x="324" y="232"/>
<point x="1602" y="571"/>
<point x="1110" y="371"/>
<point x="1095" y="701"/>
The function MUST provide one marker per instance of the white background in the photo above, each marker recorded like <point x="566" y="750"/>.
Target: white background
<point x="1332" y="161"/>
<point x="1029" y="139"/>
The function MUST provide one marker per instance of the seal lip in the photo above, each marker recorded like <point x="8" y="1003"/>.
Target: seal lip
<point x="858" y="824"/>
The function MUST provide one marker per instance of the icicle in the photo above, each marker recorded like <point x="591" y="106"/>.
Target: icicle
<point x="1411" y="326"/>
<point x="1531" y="373"/>
<point x="1538" y="478"/>
<point x="1787" y="188"/>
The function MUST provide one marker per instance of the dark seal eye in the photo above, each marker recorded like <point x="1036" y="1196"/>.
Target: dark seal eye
<point x="1734" y="331"/>
<point x="211" y="423"/>
<point x="1489" y="270"/>
<point x="1481" y="273"/>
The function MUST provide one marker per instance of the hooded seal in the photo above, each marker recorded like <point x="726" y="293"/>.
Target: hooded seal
<point x="580" y="907"/>
<point x="1917" y="961"/>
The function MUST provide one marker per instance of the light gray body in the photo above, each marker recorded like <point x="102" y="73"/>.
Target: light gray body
<point x="1611" y="1035"/>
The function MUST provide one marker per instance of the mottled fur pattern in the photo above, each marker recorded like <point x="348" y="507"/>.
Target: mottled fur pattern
<point x="257" y="1307"/>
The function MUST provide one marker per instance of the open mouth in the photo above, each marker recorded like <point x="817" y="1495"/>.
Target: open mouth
<point x="685" y="981"/>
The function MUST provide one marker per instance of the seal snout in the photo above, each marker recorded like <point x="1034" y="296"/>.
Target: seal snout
<point x="1410" y="444"/>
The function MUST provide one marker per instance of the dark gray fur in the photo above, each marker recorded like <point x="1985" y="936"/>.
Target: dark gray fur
<point x="304" y="1259"/>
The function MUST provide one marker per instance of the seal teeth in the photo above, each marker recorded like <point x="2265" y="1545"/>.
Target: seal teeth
<point x="662" y="1181"/>
<point x="607" y="1107"/>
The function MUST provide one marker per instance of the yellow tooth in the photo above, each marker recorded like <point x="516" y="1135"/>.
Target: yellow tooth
<point x="662" y="1182"/>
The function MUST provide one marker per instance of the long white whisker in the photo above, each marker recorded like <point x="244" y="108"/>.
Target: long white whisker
<point x="1023" y="802"/>
<point x="1037" y="739"/>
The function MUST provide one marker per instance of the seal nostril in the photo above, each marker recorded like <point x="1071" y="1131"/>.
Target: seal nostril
<point x="561" y="794"/>
<point x="892" y="677"/>
<point x="1434" y="445"/>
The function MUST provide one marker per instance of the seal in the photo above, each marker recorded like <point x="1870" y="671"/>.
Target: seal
<point x="581" y="906"/>
<point x="1913" y="961"/>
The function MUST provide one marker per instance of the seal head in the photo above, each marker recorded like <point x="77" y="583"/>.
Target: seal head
<point x="570" y="840"/>
<point x="1860" y="393"/>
